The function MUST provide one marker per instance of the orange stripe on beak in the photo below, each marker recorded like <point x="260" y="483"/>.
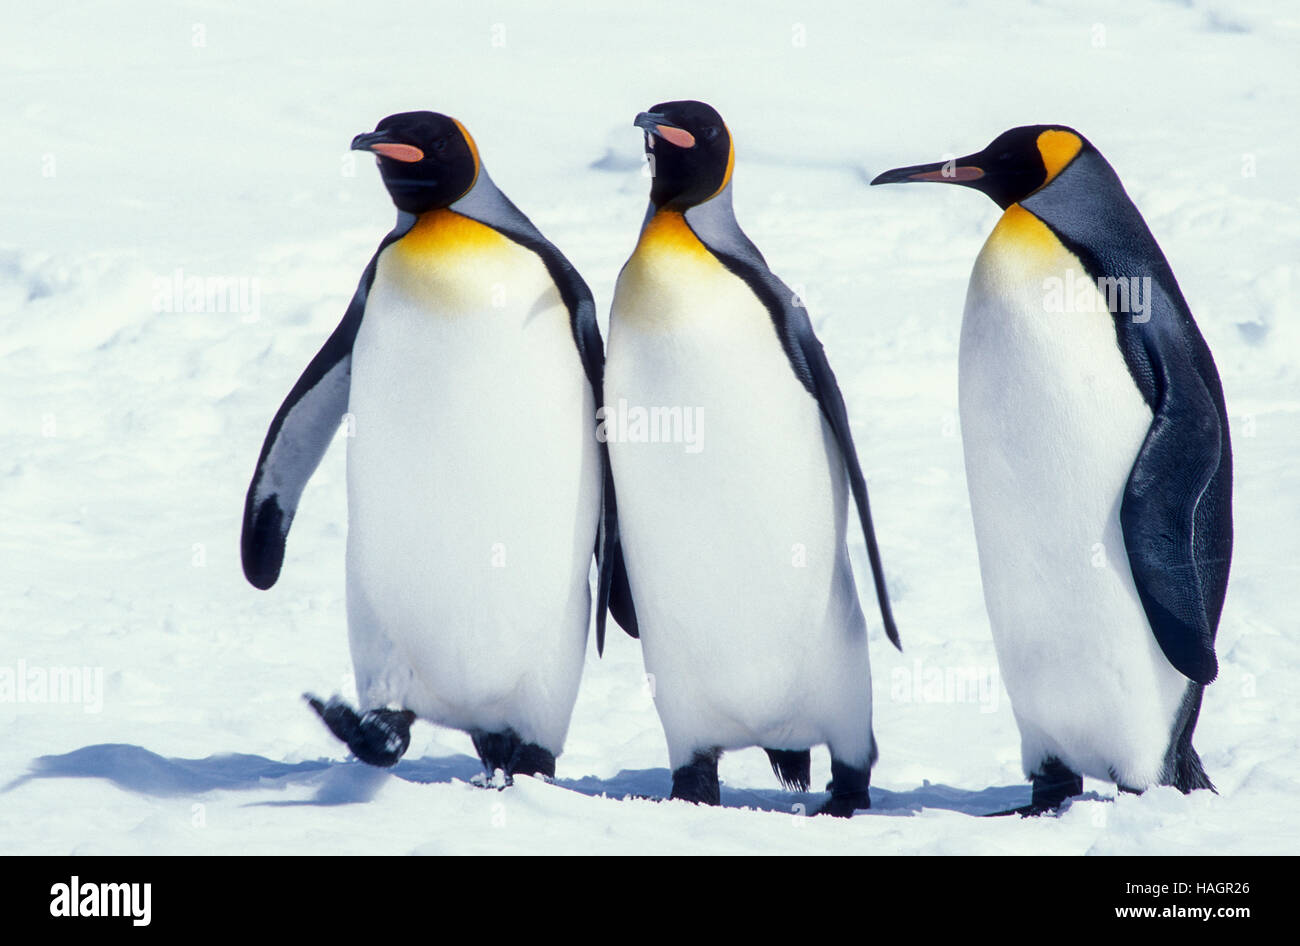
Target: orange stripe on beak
<point x="407" y="153"/>
<point x="956" y="175"/>
<point x="676" y="136"/>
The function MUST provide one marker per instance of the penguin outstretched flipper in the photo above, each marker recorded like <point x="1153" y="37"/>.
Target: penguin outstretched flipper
<point x="299" y="435"/>
<point x="377" y="737"/>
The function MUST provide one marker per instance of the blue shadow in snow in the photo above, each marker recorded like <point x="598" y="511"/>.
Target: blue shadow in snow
<point x="136" y="769"/>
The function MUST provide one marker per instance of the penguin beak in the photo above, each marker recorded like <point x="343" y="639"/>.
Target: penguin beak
<point x="656" y="125"/>
<point x="379" y="143"/>
<point x="955" y="171"/>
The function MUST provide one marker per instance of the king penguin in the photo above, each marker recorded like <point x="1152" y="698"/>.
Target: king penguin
<point x="1099" y="468"/>
<point x="470" y="364"/>
<point x="736" y="552"/>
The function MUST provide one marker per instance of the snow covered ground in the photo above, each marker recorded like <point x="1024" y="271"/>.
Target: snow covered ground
<point x="149" y="143"/>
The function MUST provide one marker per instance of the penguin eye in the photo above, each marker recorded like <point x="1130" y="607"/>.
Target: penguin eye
<point x="440" y="145"/>
<point x="711" y="132"/>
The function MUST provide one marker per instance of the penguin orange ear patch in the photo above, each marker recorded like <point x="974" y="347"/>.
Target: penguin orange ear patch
<point x="407" y="153"/>
<point x="676" y="136"/>
<point x="1058" y="149"/>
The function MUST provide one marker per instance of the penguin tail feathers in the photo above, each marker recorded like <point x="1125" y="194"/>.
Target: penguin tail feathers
<point x="793" y="767"/>
<point x="1188" y="774"/>
<point x="1183" y="769"/>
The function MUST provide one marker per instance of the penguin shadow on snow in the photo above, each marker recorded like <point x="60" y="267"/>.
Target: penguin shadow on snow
<point x="136" y="769"/>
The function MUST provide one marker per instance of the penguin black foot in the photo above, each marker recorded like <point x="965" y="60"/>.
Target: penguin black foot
<point x="1054" y="784"/>
<point x="377" y="737"/>
<point x="495" y="749"/>
<point x="531" y="759"/>
<point x="849" y="788"/>
<point x="697" y="781"/>
<point x="507" y="752"/>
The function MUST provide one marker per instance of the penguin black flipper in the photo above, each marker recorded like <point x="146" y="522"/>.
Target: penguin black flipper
<point x="714" y="223"/>
<point x="1168" y="503"/>
<point x="299" y="435"/>
<point x="1176" y="512"/>
<point x="820" y="380"/>
<point x="488" y="205"/>
<point x="620" y="594"/>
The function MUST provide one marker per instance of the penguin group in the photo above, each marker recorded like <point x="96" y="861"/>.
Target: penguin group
<point x="487" y="481"/>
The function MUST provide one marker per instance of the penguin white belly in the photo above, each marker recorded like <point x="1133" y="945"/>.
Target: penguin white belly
<point x="1051" y="425"/>
<point x="473" y="487"/>
<point x="735" y="546"/>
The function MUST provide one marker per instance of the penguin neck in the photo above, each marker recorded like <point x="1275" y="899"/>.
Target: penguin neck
<point x="405" y="220"/>
<point x="717" y="209"/>
<point x="693" y="229"/>
<point x="481" y="199"/>
<point x="445" y="233"/>
<point x="457" y="228"/>
<point x="1021" y="233"/>
<point x="667" y="233"/>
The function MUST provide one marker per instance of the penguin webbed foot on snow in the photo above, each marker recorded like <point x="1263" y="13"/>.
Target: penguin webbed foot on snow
<point x="507" y="752"/>
<point x="1054" y="785"/>
<point x="850" y="789"/>
<point x="377" y="737"/>
<point x="697" y="781"/>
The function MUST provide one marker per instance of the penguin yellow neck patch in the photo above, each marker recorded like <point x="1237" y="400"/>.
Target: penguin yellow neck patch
<point x="460" y="263"/>
<point x="1020" y="232"/>
<point x="669" y="233"/>
<point x="672" y="279"/>
<point x="1058" y="148"/>
<point x="445" y="232"/>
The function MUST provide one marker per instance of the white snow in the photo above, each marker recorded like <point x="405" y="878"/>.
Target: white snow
<point x="211" y="140"/>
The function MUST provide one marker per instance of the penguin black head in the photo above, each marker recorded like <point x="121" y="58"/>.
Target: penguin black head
<point x="427" y="160"/>
<point x="690" y="152"/>
<point x="1017" y="163"/>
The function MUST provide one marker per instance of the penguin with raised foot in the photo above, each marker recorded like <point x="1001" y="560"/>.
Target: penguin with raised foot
<point x="1099" y="468"/>
<point x="735" y="547"/>
<point x="470" y="364"/>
